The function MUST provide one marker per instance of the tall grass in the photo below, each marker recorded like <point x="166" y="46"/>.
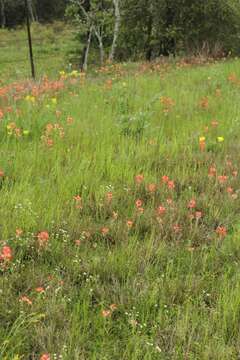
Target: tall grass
<point x="110" y="258"/>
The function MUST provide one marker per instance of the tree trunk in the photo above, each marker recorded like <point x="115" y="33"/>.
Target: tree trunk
<point x="100" y="44"/>
<point x="30" y="9"/>
<point x="3" y="14"/>
<point x="86" y="50"/>
<point x="116" y="29"/>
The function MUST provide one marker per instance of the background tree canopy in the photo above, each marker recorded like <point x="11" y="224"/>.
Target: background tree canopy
<point x="143" y="29"/>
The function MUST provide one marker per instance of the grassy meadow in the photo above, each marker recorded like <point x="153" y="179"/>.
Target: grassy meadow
<point x="119" y="214"/>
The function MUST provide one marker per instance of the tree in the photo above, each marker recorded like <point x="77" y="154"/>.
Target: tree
<point x="3" y="14"/>
<point x="116" y="29"/>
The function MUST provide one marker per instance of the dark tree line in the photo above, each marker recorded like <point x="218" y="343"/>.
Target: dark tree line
<point x="12" y="11"/>
<point x="133" y="29"/>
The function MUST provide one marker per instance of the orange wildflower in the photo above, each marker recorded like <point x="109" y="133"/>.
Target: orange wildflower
<point x="192" y="204"/>
<point x="45" y="357"/>
<point x="6" y="254"/>
<point x="129" y="224"/>
<point x="26" y="300"/>
<point x="138" y="203"/>
<point x="221" y="231"/>
<point x="161" y="210"/>
<point x="40" y="290"/>
<point x="105" y="231"/>
<point x="106" y="313"/>
<point x="152" y="188"/>
<point x="171" y="185"/>
<point x="19" y="232"/>
<point x="139" y="179"/>
<point x="43" y="238"/>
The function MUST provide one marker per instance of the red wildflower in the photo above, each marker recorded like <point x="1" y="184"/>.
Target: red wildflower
<point x="198" y="214"/>
<point x="6" y="254"/>
<point x="192" y="204"/>
<point x="138" y="203"/>
<point x="139" y="179"/>
<point x="40" y="290"/>
<point x="26" y="300"/>
<point x="177" y="228"/>
<point x="105" y="231"/>
<point x="221" y="231"/>
<point x="109" y="196"/>
<point x="45" y="357"/>
<point x="214" y="123"/>
<point x="129" y="224"/>
<point x="161" y="210"/>
<point x="43" y="238"/>
<point x="222" y="179"/>
<point x="165" y="179"/>
<point x="152" y="188"/>
<point x="106" y="313"/>
<point x="1" y="173"/>
<point x="171" y="185"/>
<point x="19" y="232"/>
<point x="212" y="171"/>
<point x="113" y="307"/>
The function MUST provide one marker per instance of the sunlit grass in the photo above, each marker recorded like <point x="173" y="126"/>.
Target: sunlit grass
<point x="120" y="209"/>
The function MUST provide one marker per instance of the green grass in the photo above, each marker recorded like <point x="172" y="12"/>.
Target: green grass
<point x="52" y="46"/>
<point x="177" y="294"/>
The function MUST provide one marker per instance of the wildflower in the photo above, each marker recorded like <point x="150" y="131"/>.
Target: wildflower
<point x="138" y="203"/>
<point x="198" y="215"/>
<point x="1" y="173"/>
<point x="106" y="313"/>
<point x="43" y="238"/>
<point x="105" y="231"/>
<point x="139" y="179"/>
<point x="192" y="204"/>
<point x="78" y="242"/>
<point x="202" y="143"/>
<point x="204" y="103"/>
<point x="109" y="196"/>
<point x="69" y="120"/>
<point x="165" y="179"/>
<point x="26" y="300"/>
<point x="19" y="232"/>
<point x="214" y="123"/>
<point x="161" y="210"/>
<point x="113" y="307"/>
<point x="222" y="179"/>
<point x="221" y="231"/>
<point x="6" y="254"/>
<point x="177" y="228"/>
<point x="152" y="188"/>
<point x="171" y="185"/>
<point x="129" y="224"/>
<point x="45" y="357"/>
<point x="54" y="101"/>
<point x="40" y="290"/>
<point x="78" y="201"/>
<point x="115" y="215"/>
<point x="235" y="173"/>
<point x="220" y="139"/>
<point x="229" y="190"/>
<point x="212" y="171"/>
